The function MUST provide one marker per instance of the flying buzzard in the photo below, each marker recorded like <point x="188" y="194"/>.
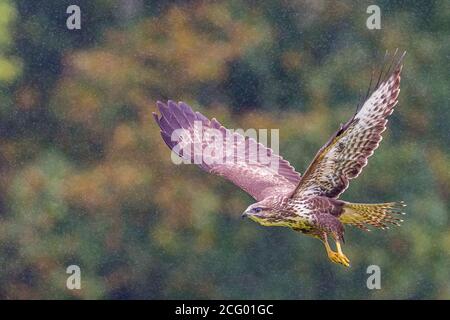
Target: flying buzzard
<point x="307" y="203"/>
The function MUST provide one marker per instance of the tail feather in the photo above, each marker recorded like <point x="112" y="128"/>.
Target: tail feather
<point x="379" y="215"/>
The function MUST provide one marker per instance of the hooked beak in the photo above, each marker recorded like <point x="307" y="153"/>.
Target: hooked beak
<point x="245" y="214"/>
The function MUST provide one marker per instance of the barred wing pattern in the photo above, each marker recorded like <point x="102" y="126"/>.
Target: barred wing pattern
<point x="238" y="159"/>
<point x="346" y="153"/>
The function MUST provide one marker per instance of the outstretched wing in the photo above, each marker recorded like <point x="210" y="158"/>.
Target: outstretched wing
<point x="345" y="154"/>
<point x="242" y="160"/>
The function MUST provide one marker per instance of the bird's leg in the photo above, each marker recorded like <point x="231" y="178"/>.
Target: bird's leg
<point x="336" y="257"/>
<point x="331" y="254"/>
<point x="342" y="256"/>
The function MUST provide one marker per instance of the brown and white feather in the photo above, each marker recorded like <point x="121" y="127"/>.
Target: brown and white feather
<point x="240" y="164"/>
<point x="346" y="153"/>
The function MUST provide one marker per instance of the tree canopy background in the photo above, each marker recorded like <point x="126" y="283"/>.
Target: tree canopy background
<point x="86" y="179"/>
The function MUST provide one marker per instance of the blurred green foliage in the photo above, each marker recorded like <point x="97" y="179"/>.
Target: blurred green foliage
<point x="86" y="179"/>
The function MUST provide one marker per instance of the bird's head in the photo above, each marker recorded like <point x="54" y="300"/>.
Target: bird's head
<point x="263" y="213"/>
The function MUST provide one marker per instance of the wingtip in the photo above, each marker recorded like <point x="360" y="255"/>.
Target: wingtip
<point x="170" y="103"/>
<point x="399" y="66"/>
<point x="162" y="107"/>
<point x="184" y="105"/>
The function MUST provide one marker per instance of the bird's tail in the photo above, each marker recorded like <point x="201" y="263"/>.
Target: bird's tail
<point x="379" y="215"/>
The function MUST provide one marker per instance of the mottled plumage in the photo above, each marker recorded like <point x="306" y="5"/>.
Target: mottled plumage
<point x="258" y="179"/>
<point x="307" y="203"/>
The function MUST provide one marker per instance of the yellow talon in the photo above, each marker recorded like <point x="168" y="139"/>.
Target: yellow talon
<point x="337" y="257"/>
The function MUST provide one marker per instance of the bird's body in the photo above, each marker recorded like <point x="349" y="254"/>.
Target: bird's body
<point x="292" y="213"/>
<point x="308" y="213"/>
<point x="298" y="213"/>
<point x="308" y="203"/>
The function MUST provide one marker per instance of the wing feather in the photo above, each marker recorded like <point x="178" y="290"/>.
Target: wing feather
<point x="239" y="161"/>
<point x="346" y="153"/>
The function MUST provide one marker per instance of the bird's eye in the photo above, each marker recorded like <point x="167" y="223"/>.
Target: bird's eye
<point x="257" y="210"/>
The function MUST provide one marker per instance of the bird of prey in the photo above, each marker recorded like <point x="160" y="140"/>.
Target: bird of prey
<point x="306" y="203"/>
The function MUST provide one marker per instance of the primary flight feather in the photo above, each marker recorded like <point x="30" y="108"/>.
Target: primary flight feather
<point x="308" y="203"/>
